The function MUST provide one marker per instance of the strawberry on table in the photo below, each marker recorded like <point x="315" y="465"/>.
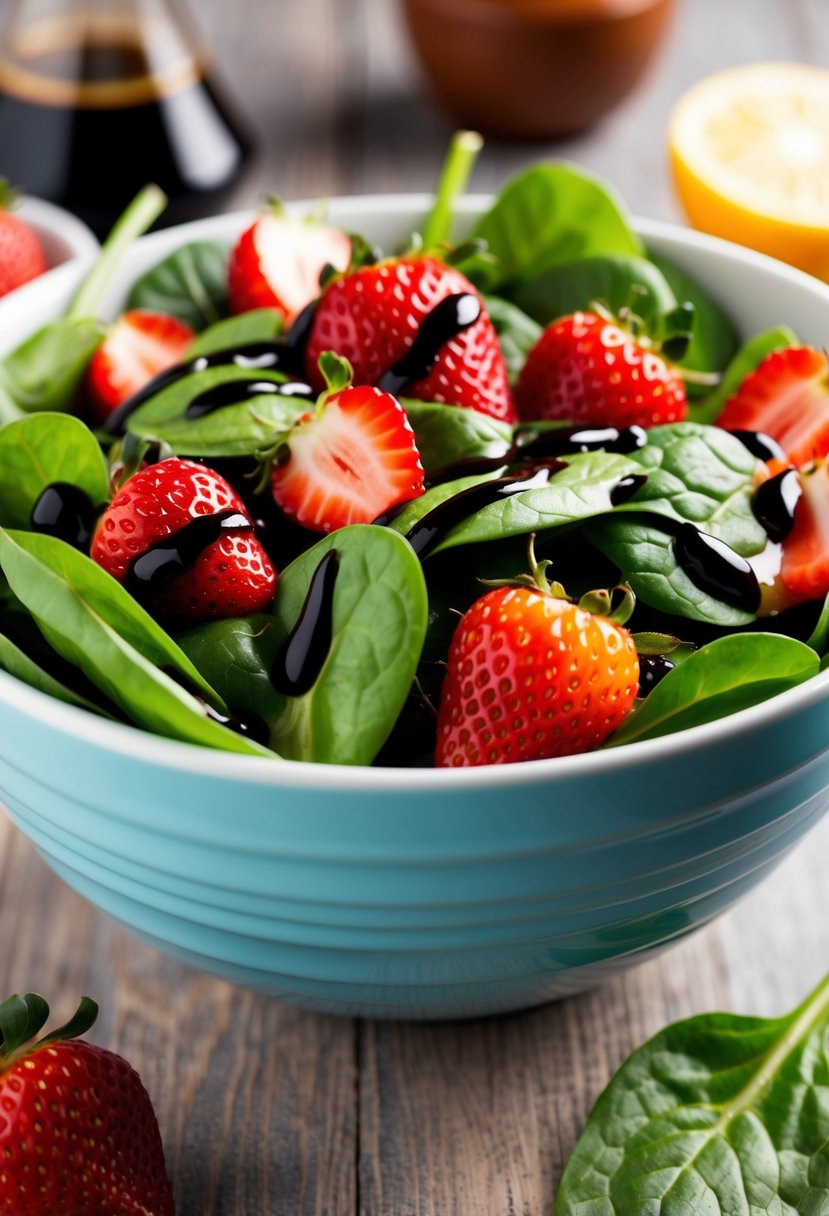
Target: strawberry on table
<point x="21" y="255"/>
<point x="78" y="1134"/>
<point x="351" y="460"/>
<point x="372" y="317"/>
<point x="588" y="368"/>
<point x="277" y="262"/>
<point x="140" y="344"/>
<point x="786" y="397"/>
<point x="531" y="675"/>
<point x="179" y="537"/>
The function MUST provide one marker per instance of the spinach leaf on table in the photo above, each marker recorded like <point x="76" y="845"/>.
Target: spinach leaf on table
<point x="190" y="283"/>
<point x="618" y="281"/>
<point x="45" y="448"/>
<point x="448" y="433"/>
<point x="721" y="678"/>
<point x="550" y="214"/>
<point x="718" y="1114"/>
<point x="747" y="359"/>
<point x="380" y="612"/>
<point x="91" y="621"/>
<point x="259" y="325"/>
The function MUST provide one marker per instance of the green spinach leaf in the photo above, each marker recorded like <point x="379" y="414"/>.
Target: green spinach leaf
<point x="550" y="214"/>
<point x="616" y="280"/>
<point x="446" y="434"/>
<point x="719" y="1114"/>
<point x="42" y="449"/>
<point x="45" y="371"/>
<point x="747" y="359"/>
<point x="260" y="325"/>
<point x="235" y="657"/>
<point x="714" y="339"/>
<point x="516" y="332"/>
<point x="721" y="678"/>
<point x="819" y="637"/>
<point x="18" y="664"/>
<point x="190" y="283"/>
<point x="379" y="622"/>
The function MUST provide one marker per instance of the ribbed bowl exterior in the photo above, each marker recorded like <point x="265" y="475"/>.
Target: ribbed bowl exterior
<point x="414" y="893"/>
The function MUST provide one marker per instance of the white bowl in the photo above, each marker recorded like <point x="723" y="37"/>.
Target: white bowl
<point x="62" y="235"/>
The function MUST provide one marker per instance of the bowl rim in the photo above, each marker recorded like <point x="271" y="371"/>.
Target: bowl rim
<point x="134" y="743"/>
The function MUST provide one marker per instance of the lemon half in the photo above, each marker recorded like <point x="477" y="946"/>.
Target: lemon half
<point x="750" y="156"/>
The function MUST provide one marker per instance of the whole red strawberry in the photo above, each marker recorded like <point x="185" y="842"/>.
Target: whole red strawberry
<point x="178" y="536"/>
<point x="532" y="675"/>
<point x="78" y="1135"/>
<point x="21" y="255"/>
<point x="786" y="397"/>
<point x="373" y="316"/>
<point x="586" y="368"/>
<point x="139" y="345"/>
<point x="277" y="263"/>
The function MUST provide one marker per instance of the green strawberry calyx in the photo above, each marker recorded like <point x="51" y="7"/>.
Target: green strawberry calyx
<point x="23" y="1017"/>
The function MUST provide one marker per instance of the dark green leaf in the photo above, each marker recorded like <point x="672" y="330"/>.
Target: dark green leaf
<point x="82" y="1020"/>
<point x="616" y="280"/>
<point x="749" y="357"/>
<point x="190" y="283"/>
<point x="18" y="664"/>
<point x="90" y="620"/>
<point x="232" y="430"/>
<point x="40" y="450"/>
<point x="446" y="434"/>
<point x="418" y="507"/>
<point x="516" y="332"/>
<point x="714" y="339"/>
<point x="819" y="637"/>
<point x="550" y="214"/>
<point x="260" y="325"/>
<point x="718" y="1115"/>
<point x="723" y="677"/>
<point x="45" y="371"/>
<point x="379" y="623"/>
<point x="236" y="657"/>
<point x="21" y="1017"/>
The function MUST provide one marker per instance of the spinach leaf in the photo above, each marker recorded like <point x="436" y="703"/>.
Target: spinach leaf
<point x="448" y="433"/>
<point x="418" y="507"/>
<point x="516" y="332"/>
<point x="714" y="339"/>
<point x="18" y="664"/>
<point x="615" y="280"/>
<point x="232" y="430"/>
<point x="45" y="371"/>
<point x="379" y="622"/>
<point x="723" y="677"/>
<point x="190" y="283"/>
<point x="90" y="620"/>
<point x="819" y="637"/>
<point x="235" y="657"/>
<point x="747" y="359"/>
<point x="718" y="1114"/>
<point x="259" y="325"/>
<point x="42" y="449"/>
<point x="550" y="214"/>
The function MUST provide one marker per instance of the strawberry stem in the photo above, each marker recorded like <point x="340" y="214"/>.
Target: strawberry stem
<point x="8" y="195"/>
<point x="141" y="213"/>
<point x="460" y="159"/>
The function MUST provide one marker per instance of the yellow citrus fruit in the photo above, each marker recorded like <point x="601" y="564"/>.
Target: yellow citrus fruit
<point x="750" y="156"/>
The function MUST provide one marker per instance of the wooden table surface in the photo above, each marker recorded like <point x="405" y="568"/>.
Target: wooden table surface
<point x="267" y="1110"/>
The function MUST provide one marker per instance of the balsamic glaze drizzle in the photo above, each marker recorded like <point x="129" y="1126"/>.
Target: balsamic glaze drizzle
<point x="775" y="501"/>
<point x="569" y="440"/>
<point x="445" y="321"/>
<point x="301" y="657"/>
<point x="178" y="553"/>
<point x="760" y="445"/>
<point x="67" y="512"/>
<point x="652" y="669"/>
<point x="713" y="566"/>
<point x="626" y="487"/>
<point x="233" y="392"/>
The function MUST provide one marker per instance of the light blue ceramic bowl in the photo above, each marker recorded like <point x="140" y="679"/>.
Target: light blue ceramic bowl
<point x="423" y="893"/>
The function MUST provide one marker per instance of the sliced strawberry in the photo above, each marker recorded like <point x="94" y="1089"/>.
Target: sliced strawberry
<point x="805" y="567"/>
<point x="349" y="462"/>
<point x="786" y="397"/>
<point x="277" y="263"/>
<point x="139" y="346"/>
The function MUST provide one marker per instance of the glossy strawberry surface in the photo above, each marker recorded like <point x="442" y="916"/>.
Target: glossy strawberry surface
<point x="786" y="397"/>
<point x="139" y="346"/>
<point x="21" y="255"/>
<point x="277" y="263"/>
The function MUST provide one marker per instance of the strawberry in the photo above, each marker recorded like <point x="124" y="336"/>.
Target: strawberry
<point x="586" y="368"/>
<point x="277" y="263"/>
<point x="786" y="397"/>
<point x="531" y="675"/>
<point x="805" y="565"/>
<point x="351" y="460"/>
<point x="177" y="535"/>
<point x="372" y="318"/>
<point x="139" y="346"/>
<point x="21" y="255"/>
<point x="78" y="1134"/>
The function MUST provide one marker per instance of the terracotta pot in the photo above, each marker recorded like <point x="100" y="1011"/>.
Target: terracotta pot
<point x="535" y="69"/>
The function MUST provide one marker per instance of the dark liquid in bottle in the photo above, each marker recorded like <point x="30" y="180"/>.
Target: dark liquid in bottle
<point x="92" y="111"/>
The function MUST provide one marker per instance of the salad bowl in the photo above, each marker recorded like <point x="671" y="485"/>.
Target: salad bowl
<point x="421" y="893"/>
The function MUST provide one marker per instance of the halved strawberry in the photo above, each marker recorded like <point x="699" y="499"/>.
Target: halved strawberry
<point x="140" y="344"/>
<point x="786" y="397"/>
<point x="277" y="263"/>
<point x="348" y="462"/>
<point x="805" y="566"/>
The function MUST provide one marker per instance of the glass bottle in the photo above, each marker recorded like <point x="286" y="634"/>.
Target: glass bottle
<point x="98" y="97"/>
